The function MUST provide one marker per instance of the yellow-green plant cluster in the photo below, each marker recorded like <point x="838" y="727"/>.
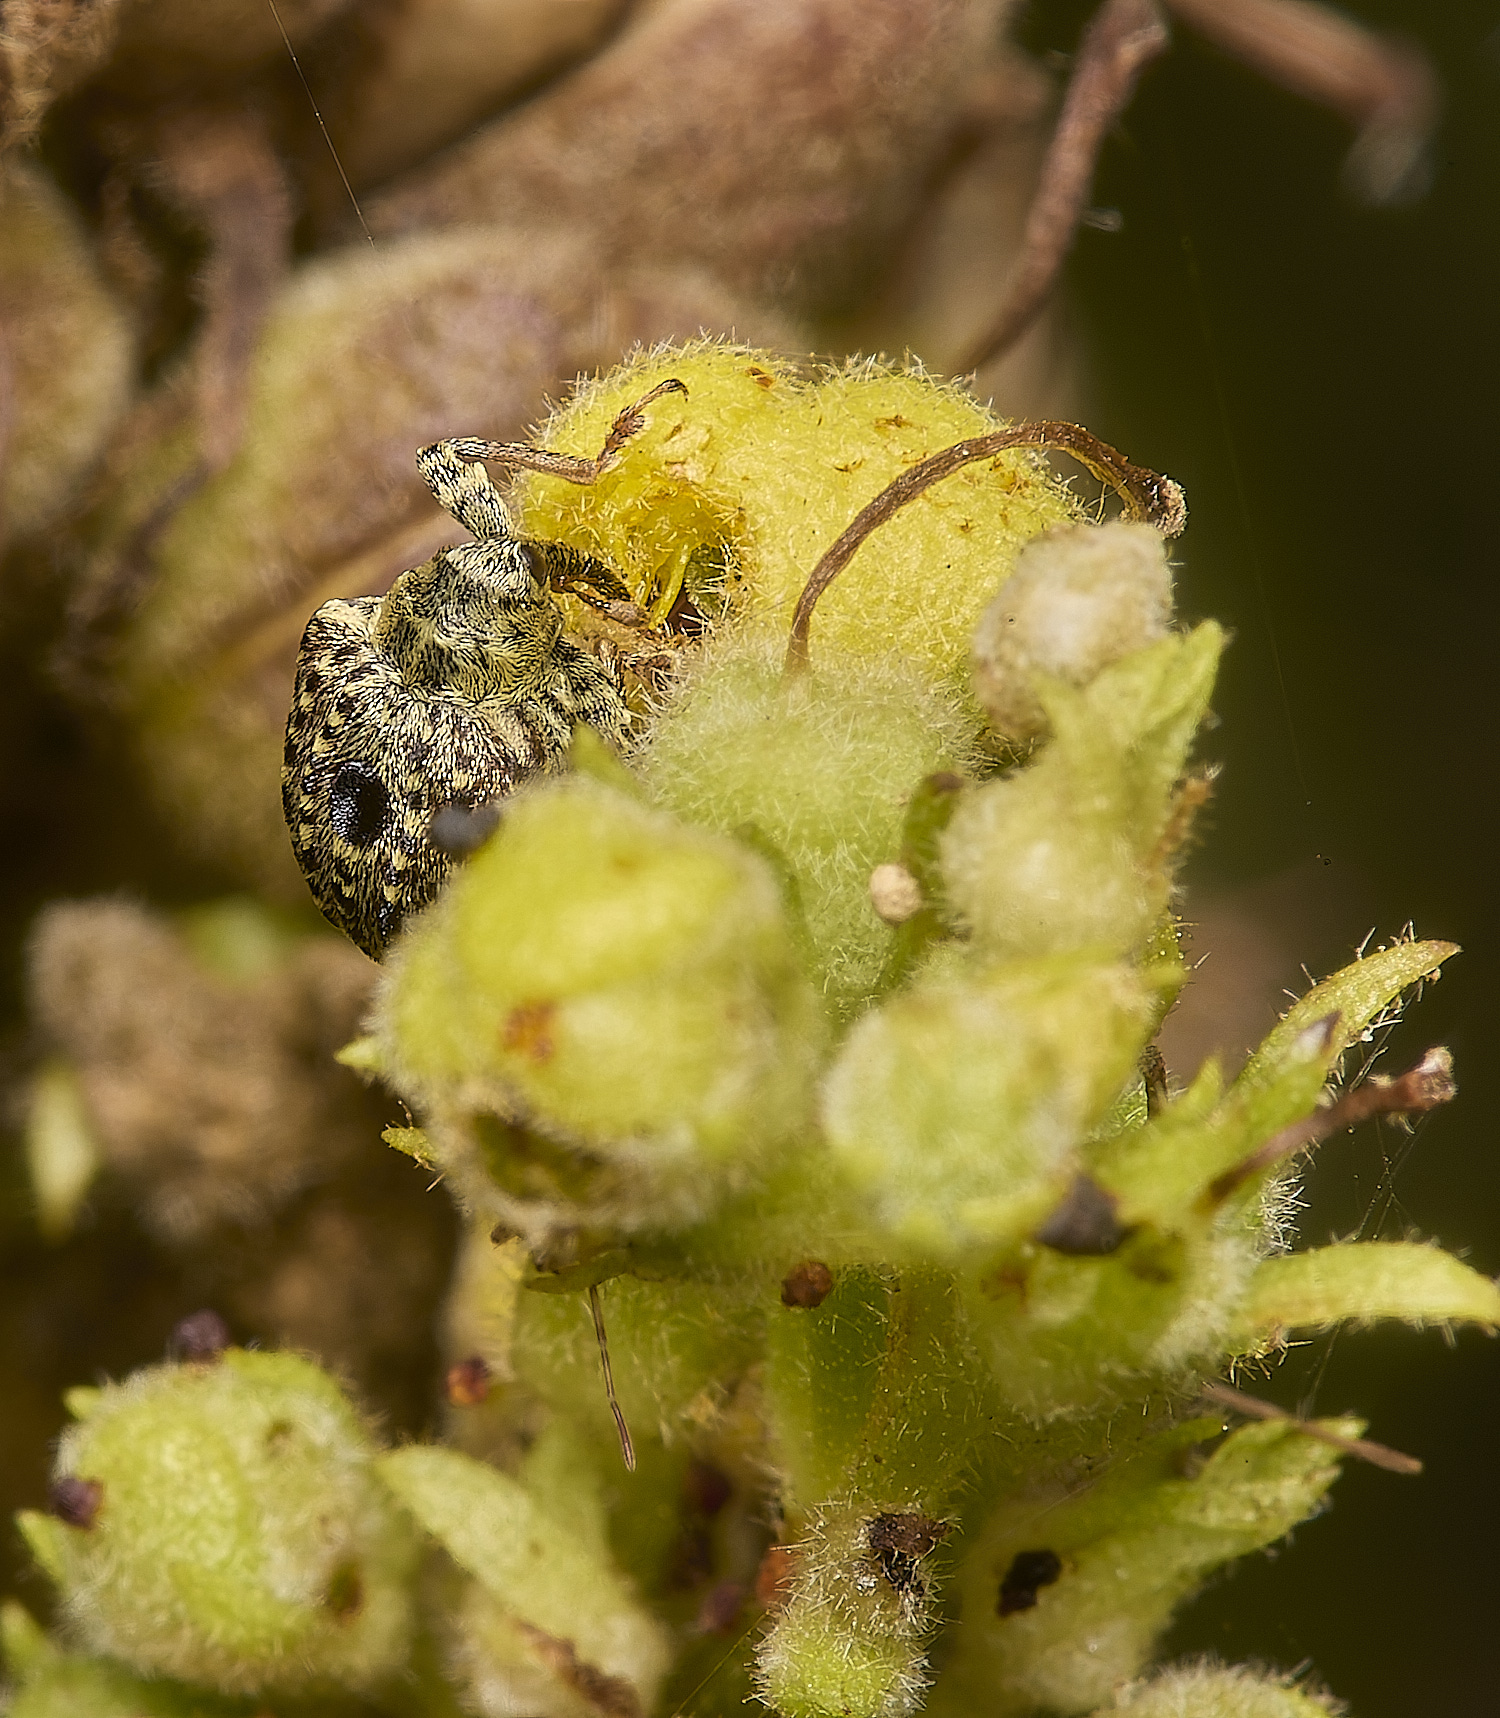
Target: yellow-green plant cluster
<point x="801" y="1050"/>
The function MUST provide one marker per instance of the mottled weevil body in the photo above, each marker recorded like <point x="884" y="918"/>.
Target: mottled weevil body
<point x="449" y="691"/>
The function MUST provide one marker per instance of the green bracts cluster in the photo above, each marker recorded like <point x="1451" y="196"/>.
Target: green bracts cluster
<point x="801" y="1051"/>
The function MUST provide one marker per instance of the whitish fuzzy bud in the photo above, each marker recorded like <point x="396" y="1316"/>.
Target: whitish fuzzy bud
<point x="1218" y="1691"/>
<point x="1074" y="850"/>
<point x="847" y="1642"/>
<point x="1063" y="1597"/>
<point x="603" y="1017"/>
<point x="549" y="1627"/>
<point x="958" y="1105"/>
<point x="1081" y="597"/>
<point x="235" y="1534"/>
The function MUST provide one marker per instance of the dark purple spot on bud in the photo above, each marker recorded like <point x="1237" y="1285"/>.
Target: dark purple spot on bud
<point x="1085" y="1225"/>
<point x="1029" y="1571"/>
<point x="75" y="1500"/>
<point x="707" y="1488"/>
<point x="201" y="1336"/>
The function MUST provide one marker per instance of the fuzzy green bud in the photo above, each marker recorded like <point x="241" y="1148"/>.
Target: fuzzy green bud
<point x="1072" y="852"/>
<point x="849" y="1641"/>
<point x="817" y="769"/>
<point x="1218" y="1691"/>
<point x="960" y="1105"/>
<point x="603" y="1017"/>
<point x="758" y="472"/>
<point x="225" y="1526"/>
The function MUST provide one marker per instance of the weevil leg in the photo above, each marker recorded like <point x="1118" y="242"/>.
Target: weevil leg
<point x="451" y="470"/>
<point x="569" y="466"/>
<point x="568" y="569"/>
<point x="454" y="471"/>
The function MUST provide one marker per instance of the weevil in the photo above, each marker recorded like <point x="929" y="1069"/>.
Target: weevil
<point x="446" y="693"/>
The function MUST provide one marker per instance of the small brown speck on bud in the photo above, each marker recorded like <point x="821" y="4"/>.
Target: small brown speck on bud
<point x="895" y="894"/>
<point x="74" y="1500"/>
<point x="468" y="1382"/>
<point x="806" y="1285"/>
<point x="202" y="1337"/>
<point x="773" y="1580"/>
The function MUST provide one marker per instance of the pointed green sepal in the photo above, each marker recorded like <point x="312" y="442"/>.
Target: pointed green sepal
<point x="1368" y="1280"/>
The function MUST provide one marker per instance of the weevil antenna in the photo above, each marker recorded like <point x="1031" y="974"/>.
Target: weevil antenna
<point x="1148" y="496"/>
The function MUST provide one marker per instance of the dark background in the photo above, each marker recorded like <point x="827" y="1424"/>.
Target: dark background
<point x="1320" y="378"/>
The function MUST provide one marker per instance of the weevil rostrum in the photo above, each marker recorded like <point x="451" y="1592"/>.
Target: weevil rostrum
<point x="446" y="693"/>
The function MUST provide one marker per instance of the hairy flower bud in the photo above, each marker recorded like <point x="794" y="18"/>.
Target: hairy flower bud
<point x="241" y="1540"/>
<point x="603" y="1018"/>
<point x="1081" y="597"/>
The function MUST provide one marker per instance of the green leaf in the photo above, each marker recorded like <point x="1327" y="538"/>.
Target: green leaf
<point x="24" y="1643"/>
<point x="1366" y="1280"/>
<point x="46" y="1539"/>
<point x="539" y="1572"/>
<point x="1357" y="994"/>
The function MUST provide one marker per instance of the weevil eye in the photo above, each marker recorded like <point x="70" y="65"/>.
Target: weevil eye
<point x="357" y="804"/>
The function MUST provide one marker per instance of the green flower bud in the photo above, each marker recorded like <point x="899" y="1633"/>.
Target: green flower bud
<point x="1081" y="597"/>
<point x="848" y="1641"/>
<point x="1149" y="1263"/>
<point x="758" y="472"/>
<point x="603" y="1017"/>
<point x="95" y="1688"/>
<point x="960" y="1105"/>
<point x="1073" y="851"/>
<point x="225" y="1527"/>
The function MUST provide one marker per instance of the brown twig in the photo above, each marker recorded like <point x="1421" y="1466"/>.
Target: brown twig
<point x="1385" y="88"/>
<point x="220" y="167"/>
<point x="1421" y="1088"/>
<point x="1120" y="42"/>
<point x="1365" y="1449"/>
<point x="1147" y="496"/>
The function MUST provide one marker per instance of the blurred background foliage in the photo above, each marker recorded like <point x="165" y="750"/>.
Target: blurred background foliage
<point x="1317" y="376"/>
